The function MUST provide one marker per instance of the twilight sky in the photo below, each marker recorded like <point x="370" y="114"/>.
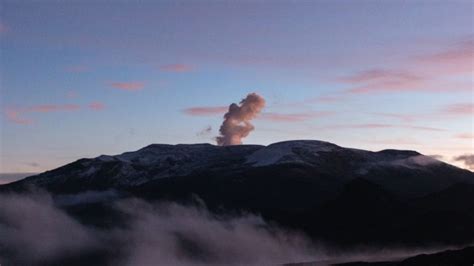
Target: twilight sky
<point x="85" y="78"/>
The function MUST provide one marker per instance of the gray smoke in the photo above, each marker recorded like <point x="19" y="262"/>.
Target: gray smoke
<point x="236" y="125"/>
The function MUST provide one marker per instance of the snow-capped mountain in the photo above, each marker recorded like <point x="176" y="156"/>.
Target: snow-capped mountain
<point x="330" y="192"/>
<point x="403" y="172"/>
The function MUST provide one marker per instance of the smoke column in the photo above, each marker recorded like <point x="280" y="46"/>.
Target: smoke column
<point x="236" y="125"/>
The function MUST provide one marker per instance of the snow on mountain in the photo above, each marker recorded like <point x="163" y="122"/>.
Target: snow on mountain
<point x="161" y="161"/>
<point x="289" y="152"/>
<point x="308" y="151"/>
<point x="165" y="161"/>
<point x="315" y="159"/>
<point x="416" y="161"/>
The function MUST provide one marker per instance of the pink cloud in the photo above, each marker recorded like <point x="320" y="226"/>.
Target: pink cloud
<point x="380" y="75"/>
<point x="374" y="125"/>
<point x="379" y="126"/>
<point x="465" y="136"/>
<point x="127" y="86"/>
<point x="424" y="128"/>
<point x="421" y="85"/>
<point x="177" y="68"/>
<point x="205" y="111"/>
<point x="459" y="109"/>
<point x="383" y="80"/>
<point x="294" y="117"/>
<point x="446" y="112"/>
<point x="326" y="99"/>
<point x="4" y="28"/>
<point x="96" y="106"/>
<point x="455" y="60"/>
<point x="53" y="108"/>
<point x="14" y="116"/>
<point x="402" y="117"/>
<point x="429" y="73"/>
<point x="269" y="116"/>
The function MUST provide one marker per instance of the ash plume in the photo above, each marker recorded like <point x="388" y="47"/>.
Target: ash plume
<point x="236" y="125"/>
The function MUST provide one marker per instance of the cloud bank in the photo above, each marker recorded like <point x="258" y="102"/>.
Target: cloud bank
<point x="128" y="86"/>
<point x="34" y="230"/>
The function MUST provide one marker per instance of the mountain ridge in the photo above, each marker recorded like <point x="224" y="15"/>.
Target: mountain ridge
<point x="340" y="195"/>
<point x="157" y="161"/>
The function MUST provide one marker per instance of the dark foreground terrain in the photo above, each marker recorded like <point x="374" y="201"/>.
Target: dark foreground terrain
<point x="459" y="257"/>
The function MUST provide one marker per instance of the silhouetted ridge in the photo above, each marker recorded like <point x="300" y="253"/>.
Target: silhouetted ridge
<point x="340" y="195"/>
<point x="406" y="153"/>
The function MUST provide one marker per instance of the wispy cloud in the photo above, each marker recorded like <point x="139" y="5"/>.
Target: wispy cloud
<point x="326" y="99"/>
<point x="467" y="159"/>
<point x="423" y="128"/>
<point x="443" y="112"/>
<point x="4" y="28"/>
<point x="52" y="108"/>
<point x="380" y="126"/>
<point x="14" y="116"/>
<point x="429" y="72"/>
<point x="382" y="80"/>
<point x="365" y="126"/>
<point x="176" y="68"/>
<point x="17" y="115"/>
<point x="96" y="106"/>
<point x="128" y="86"/>
<point x="380" y="75"/>
<point x="206" y="111"/>
<point x="292" y="117"/>
<point x="456" y="59"/>
<point x="268" y="116"/>
<point x="465" y="136"/>
<point x="402" y="117"/>
<point x="458" y="109"/>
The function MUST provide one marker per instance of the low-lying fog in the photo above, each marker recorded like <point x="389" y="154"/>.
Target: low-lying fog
<point x="34" y="229"/>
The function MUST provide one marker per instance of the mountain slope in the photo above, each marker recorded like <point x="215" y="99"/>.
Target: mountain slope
<point x="403" y="172"/>
<point x="338" y="195"/>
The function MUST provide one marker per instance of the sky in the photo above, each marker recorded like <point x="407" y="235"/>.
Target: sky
<point x="85" y="78"/>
